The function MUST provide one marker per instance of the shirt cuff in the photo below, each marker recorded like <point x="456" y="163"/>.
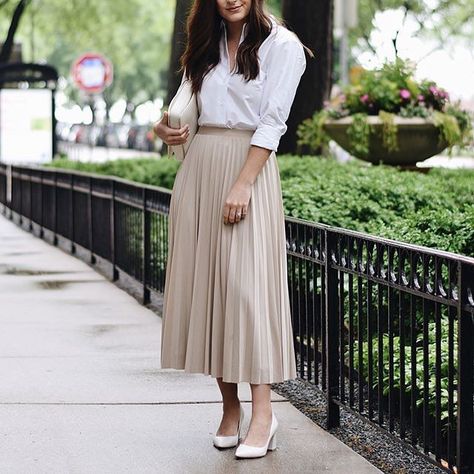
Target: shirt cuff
<point x="267" y="137"/>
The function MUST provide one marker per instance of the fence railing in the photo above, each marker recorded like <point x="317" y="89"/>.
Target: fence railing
<point x="383" y="328"/>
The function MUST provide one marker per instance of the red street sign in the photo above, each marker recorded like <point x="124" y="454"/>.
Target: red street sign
<point x="92" y="72"/>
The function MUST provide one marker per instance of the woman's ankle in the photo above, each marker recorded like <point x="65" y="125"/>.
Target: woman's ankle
<point x="262" y="411"/>
<point x="231" y="404"/>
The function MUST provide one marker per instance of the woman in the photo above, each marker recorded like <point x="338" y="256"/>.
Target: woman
<point x="226" y="306"/>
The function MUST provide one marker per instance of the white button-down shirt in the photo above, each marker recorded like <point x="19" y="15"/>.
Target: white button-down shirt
<point x="262" y="104"/>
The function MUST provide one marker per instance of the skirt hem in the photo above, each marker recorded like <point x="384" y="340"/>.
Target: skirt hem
<point x="232" y="379"/>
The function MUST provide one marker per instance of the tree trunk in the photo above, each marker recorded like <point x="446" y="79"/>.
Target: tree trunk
<point x="178" y="43"/>
<point x="312" y="21"/>
<point x="7" y="47"/>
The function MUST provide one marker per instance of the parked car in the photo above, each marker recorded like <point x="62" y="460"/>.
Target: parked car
<point x="111" y="137"/>
<point x="123" y="135"/>
<point x="102" y="135"/>
<point x="117" y="136"/>
<point x="75" y="131"/>
<point x="93" y="134"/>
<point x="141" y="137"/>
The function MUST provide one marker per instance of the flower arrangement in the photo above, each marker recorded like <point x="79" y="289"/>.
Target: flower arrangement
<point x="388" y="93"/>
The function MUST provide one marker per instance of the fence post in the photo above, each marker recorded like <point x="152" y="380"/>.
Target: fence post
<point x="20" y="204"/>
<point x="30" y="226"/>
<point x="113" y="232"/>
<point x="331" y="333"/>
<point x="71" y="212"/>
<point x="41" y="219"/>
<point x="90" y="219"/>
<point x="9" y="193"/>
<point x="146" y="249"/>
<point x="465" y="415"/>
<point x="55" y="210"/>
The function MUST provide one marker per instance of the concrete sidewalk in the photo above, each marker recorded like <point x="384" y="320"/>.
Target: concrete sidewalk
<point x="81" y="390"/>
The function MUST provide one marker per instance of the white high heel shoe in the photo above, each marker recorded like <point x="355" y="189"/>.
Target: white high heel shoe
<point x="233" y="440"/>
<point x="247" y="451"/>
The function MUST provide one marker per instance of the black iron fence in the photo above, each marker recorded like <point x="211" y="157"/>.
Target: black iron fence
<point x="384" y="328"/>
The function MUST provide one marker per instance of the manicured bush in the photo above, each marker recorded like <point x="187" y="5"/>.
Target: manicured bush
<point x="435" y="209"/>
<point x="153" y="171"/>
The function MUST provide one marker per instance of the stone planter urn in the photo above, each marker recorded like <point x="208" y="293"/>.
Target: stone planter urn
<point x="418" y="139"/>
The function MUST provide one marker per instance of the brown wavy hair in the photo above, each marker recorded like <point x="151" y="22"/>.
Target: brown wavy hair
<point x="203" y="29"/>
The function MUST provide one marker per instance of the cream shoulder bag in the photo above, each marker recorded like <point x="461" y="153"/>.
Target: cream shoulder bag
<point x="183" y="109"/>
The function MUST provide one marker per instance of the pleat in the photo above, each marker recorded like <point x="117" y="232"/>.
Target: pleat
<point x="226" y="310"/>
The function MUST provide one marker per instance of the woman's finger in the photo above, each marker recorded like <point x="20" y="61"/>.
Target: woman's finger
<point x="177" y="131"/>
<point x="238" y="214"/>
<point x="177" y="140"/>
<point x="226" y="213"/>
<point x="232" y="215"/>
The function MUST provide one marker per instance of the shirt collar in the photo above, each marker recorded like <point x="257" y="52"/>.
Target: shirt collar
<point x="242" y="34"/>
<point x="223" y="42"/>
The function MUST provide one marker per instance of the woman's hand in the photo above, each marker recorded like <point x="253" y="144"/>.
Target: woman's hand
<point x="170" y="135"/>
<point x="236" y="204"/>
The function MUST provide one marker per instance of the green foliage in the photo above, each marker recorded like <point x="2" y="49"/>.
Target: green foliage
<point x="408" y="360"/>
<point x="389" y="88"/>
<point x="435" y="209"/>
<point x="129" y="32"/>
<point x="448" y="127"/>
<point x="387" y="92"/>
<point x="464" y="126"/>
<point x="464" y="121"/>
<point x="311" y="131"/>
<point x="157" y="172"/>
<point x="389" y="131"/>
<point x="411" y="110"/>
<point x="359" y="134"/>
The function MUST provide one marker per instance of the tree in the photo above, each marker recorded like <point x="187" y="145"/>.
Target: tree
<point x="129" y="32"/>
<point x="7" y="46"/>
<point x="441" y="20"/>
<point x="313" y="23"/>
<point x="178" y="45"/>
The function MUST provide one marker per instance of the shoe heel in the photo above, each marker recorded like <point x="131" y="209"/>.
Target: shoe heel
<point x="273" y="443"/>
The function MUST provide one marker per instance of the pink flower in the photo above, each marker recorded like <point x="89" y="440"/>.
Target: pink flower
<point x="443" y="94"/>
<point x="421" y="98"/>
<point x="364" y="98"/>
<point x="433" y="90"/>
<point x="405" y="94"/>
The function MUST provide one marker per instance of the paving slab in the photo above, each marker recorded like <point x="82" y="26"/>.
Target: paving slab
<point x="82" y="391"/>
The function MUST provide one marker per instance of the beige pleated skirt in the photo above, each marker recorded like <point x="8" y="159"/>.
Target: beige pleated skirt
<point x="226" y="310"/>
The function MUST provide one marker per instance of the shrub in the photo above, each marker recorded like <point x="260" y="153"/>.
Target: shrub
<point x="434" y="209"/>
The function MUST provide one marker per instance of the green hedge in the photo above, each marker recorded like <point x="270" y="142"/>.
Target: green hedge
<point x="435" y="209"/>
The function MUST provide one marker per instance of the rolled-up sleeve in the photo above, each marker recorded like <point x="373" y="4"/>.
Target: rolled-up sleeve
<point x="286" y="64"/>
